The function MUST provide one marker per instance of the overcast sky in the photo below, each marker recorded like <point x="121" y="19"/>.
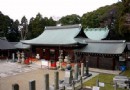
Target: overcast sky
<point x="16" y="9"/>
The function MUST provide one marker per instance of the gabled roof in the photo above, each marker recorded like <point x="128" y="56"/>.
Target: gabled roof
<point x="96" y="33"/>
<point x="104" y="47"/>
<point x="4" y="44"/>
<point x="128" y="45"/>
<point x="56" y="35"/>
<point x="20" y="45"/>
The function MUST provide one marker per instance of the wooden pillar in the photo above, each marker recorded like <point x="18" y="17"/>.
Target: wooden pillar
<point x="114" y="63"/>
<point x="33" y="49"/>
<point x="56" y="54"/>
<point x="40" y="52"/>
<point x="97" y="61"/>
<point x="47" y="54"/>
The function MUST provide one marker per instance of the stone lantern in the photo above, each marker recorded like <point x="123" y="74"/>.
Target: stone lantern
<point x="67" y="60"/>
<point x="18" y="56"/>
<point x="23" y="57"/>
<point x="60" y="60"/>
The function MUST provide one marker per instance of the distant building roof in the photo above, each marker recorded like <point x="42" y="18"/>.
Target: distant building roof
<point x="4" y="44"/>
<point x="96" y="33"/>
<point x="20" y="45"/>
<point x="128" y="45"/>
<point x="104" y="47"/>
<point x="57" y="35"/>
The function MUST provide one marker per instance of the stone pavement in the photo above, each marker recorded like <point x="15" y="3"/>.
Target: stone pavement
<point x="116" y="72"/>
<point x="11" y="73"/>
<point x="11" y="68"/>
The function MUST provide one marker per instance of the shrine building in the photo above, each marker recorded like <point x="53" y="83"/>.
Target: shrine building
<point x="80" y="45"/>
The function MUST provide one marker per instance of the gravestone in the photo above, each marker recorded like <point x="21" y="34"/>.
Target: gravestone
<point x="56" y="80"/>
<point x="68" y="77"/>
<point x="15" y="87"/>
<point x="23" y="57"/>
<point x="120" y="81"/>
<point x="76" y="71"/>
<point x="87" y="70"/>
<point x="32" y="85"/>
<point x="46" y="82"/>
<point x="13" y="57"/>
<point x="18" y="56"/>
<point x="73" y="85"/>
<point x="81" y="82"/>
<point x="82" y="69"/>
<point x="60" y="60"/>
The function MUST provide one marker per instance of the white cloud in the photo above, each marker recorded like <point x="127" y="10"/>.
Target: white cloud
<point x="16" y="9"/>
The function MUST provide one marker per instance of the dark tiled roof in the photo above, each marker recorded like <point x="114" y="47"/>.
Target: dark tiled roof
<point x="96" y="33"/>
<point x="103" y="48"/>
<point x="20" y="45"/>
<point x="56" y="35"/>
<point x="4" y="44"/>
<point x="104" y="41"/>
<point x="128" y="45"/>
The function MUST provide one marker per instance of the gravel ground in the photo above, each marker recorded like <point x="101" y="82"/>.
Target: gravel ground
<point x="11" y="73"/>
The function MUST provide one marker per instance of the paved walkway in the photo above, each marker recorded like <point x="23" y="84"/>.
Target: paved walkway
<point x="10" y="68"/>
<point x="115" y="72"/>
<point x="11" y="73"/>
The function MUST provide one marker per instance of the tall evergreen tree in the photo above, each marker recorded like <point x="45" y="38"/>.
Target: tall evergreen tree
<point x="70" y="20"/>
<point x="124" y="20"/>
<point x="5" y="25"/>
<point x="37" y="25"/>
<point x="23" y="28"/>
<point x="13" y="33"/>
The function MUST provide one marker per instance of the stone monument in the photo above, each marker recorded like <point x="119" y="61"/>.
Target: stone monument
<point x="68" y="77"/>
<point x="68" y="72"/>
<point x="76" y="71"/>
<point x="60" y="60"/>
<point x="67" y="59"/>
<point x="87" y="70"/>
<point x="38" y="56"/>
<point x="23" y="57"/>
<point x="18" y="56"/>
<point x="13" y="57"/>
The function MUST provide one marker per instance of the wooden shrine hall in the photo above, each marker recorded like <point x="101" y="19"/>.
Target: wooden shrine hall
<point x="73" y="40"/>
<point x="103" y="54"/>
<point x="57" y="39"/>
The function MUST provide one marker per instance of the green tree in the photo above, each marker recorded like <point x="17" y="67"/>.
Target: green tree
<point x="13" y="33"/>
<point x="124" y="26"/>
<point x="70" y="19"/>
<point x="23" y="28"/>
<point x="102" y="17"/>
<point x="5" y="24"/>
<point x="37" y="25"/>
<point x="98" y="17"/>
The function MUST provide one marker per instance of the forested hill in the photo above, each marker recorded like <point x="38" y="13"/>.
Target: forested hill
<point x="116" y="17"/>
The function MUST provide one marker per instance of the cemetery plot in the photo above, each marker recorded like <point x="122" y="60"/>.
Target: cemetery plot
<point x="10" y="68"/>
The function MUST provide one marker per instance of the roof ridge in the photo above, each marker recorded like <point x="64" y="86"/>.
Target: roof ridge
<point x="106" y="41"/>
<point x="63" y="27"/>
